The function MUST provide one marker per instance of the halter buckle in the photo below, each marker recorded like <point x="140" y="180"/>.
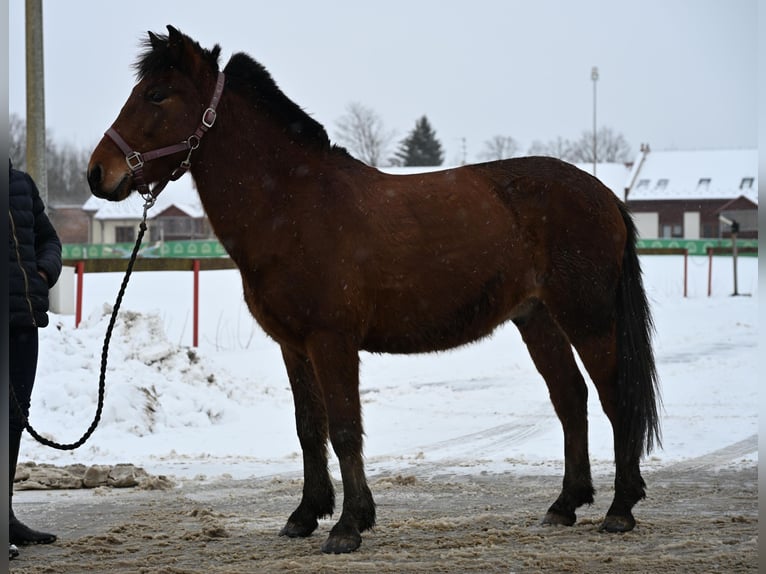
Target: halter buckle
<point x="134" y="160"/>
<point x="208" y="117"/>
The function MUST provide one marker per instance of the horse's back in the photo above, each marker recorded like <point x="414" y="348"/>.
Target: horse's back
<point x="526" y="181"/>
<point x="455" y="253"/>
<point x="558" y="206"/>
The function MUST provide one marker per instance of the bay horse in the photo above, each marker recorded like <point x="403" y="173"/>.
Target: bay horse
<point x="337" y="257"/>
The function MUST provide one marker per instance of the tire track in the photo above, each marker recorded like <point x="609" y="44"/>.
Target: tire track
<point x="712" y="460"/>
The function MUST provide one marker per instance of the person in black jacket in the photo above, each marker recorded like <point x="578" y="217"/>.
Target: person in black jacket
<point x="35" y="266"/>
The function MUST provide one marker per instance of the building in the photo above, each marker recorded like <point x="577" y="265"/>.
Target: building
<point x="692" y="194"/>
<point x="176" y="215"/>
<point x="71" y="222"/>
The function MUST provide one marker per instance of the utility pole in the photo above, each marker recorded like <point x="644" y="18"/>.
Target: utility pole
<point x="734" y="233"/>
<point x="594" y="77"/>
<point x="36" y="97"/>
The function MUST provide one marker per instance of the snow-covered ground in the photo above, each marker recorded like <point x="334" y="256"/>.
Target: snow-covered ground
<point x="226" y="408"/>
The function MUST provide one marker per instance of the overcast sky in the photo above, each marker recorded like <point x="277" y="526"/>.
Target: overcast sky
<point x="678" y="74"/>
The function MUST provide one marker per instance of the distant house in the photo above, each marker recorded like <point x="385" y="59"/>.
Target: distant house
<point x="176" y="215"/>
<point x="71" y="222"/>
<point x="683" y="194"/>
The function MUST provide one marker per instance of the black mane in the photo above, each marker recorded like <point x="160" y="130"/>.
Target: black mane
<point x="249" y="77"/>
<point x="244" y="75"/>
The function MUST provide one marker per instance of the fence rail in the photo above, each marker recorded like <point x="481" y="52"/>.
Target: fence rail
<point x="119" y="265"/>
<point x="83" y="266"/>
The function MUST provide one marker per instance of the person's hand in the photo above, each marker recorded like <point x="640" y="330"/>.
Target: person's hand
<point x="44" y="275"/>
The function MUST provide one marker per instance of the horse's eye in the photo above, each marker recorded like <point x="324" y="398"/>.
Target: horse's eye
<point x="155" y="96"/>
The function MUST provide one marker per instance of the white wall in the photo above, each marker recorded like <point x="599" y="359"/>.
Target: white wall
<point x="61" y="295"/>
<point x="103" y="231"/>
<point x="648" y="224"/>
<point x="692" y="225"/>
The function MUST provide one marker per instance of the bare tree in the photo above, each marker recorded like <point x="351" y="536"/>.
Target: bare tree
<point x="361" y="131"/>
<point x="610" y="147"/>
<point x="499" y="147"/>
<point x="559" y="148"/>
<point x="18" y="141"/>
<point x="65" y="165"/>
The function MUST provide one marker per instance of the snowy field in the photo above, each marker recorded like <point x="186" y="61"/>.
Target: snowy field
<point x="225" y="408"/>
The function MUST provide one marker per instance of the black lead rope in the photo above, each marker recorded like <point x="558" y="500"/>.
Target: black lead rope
<point x="104" y="353"/>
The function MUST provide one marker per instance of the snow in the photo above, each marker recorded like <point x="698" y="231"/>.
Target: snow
<point x="682" y="171"/>
<point x="225" y="407"/>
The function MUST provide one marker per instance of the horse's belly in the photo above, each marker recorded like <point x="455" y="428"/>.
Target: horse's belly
<point x="418" y="340"/>
<point x="446" y="318"/>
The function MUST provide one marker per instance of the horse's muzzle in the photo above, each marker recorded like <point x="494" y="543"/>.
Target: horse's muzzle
<point x="95" y="178"/>
<point x="96" y="182"/>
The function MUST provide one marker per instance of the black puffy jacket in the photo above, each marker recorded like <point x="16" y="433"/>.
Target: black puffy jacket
<point x="34" y="246"/>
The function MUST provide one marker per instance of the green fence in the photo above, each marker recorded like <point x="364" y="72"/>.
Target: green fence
<point x="191" y="249"/>
<point x="697" y="246"/>
<point x="212" y="248"/>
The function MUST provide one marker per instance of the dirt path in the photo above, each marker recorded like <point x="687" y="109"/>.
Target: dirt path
<point x="695" y="520"/>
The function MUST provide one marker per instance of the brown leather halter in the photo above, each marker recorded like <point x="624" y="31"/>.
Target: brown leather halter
<point x="136" y="160"/>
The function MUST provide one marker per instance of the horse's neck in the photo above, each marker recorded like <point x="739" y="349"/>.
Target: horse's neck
<point x="246" y="187"/>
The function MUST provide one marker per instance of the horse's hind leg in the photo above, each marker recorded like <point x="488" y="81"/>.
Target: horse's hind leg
<point x="311" y="421"/>
<point x="600" y="357"/>
<point x="552" y="354"/>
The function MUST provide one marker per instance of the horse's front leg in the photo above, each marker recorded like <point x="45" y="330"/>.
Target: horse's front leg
<point x="311" y="421"/>
<point x="336" y="365"/>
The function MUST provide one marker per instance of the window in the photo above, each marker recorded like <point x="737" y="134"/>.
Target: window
<point x="671" y="230"/>
<point x="177" y="228"/>
<point x="661" y="184"/>
<point x="703" y="184"/>
<point x="747" y="183"/>
<point x="124" y="234"/>
<point x="643" y="184"/>
<point x="709" y="230"/>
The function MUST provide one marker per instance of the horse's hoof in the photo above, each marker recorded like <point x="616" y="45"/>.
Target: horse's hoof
<point x="614" y="523"/>
<point x="295" y="530"/>
<point x="342" y="543"/>
<point x="556" y="519"/>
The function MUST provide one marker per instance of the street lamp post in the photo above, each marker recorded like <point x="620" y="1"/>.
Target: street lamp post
<point x="594" y="77"/>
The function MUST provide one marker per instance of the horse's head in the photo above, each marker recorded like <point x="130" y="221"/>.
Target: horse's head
<point x="162" y="121"/>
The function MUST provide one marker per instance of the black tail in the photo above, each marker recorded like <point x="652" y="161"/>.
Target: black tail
<point x="637" y="383"/>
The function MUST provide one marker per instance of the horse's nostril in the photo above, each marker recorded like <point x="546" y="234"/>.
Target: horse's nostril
<point x="95" y="176"/>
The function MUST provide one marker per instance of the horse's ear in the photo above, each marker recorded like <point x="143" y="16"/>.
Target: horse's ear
<point x="176" y="45"/>
<point x="155" y="41"/>
<point x="174" y="36"/>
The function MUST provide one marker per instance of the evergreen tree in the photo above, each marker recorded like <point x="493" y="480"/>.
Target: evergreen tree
<point x="420" y="148"/>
